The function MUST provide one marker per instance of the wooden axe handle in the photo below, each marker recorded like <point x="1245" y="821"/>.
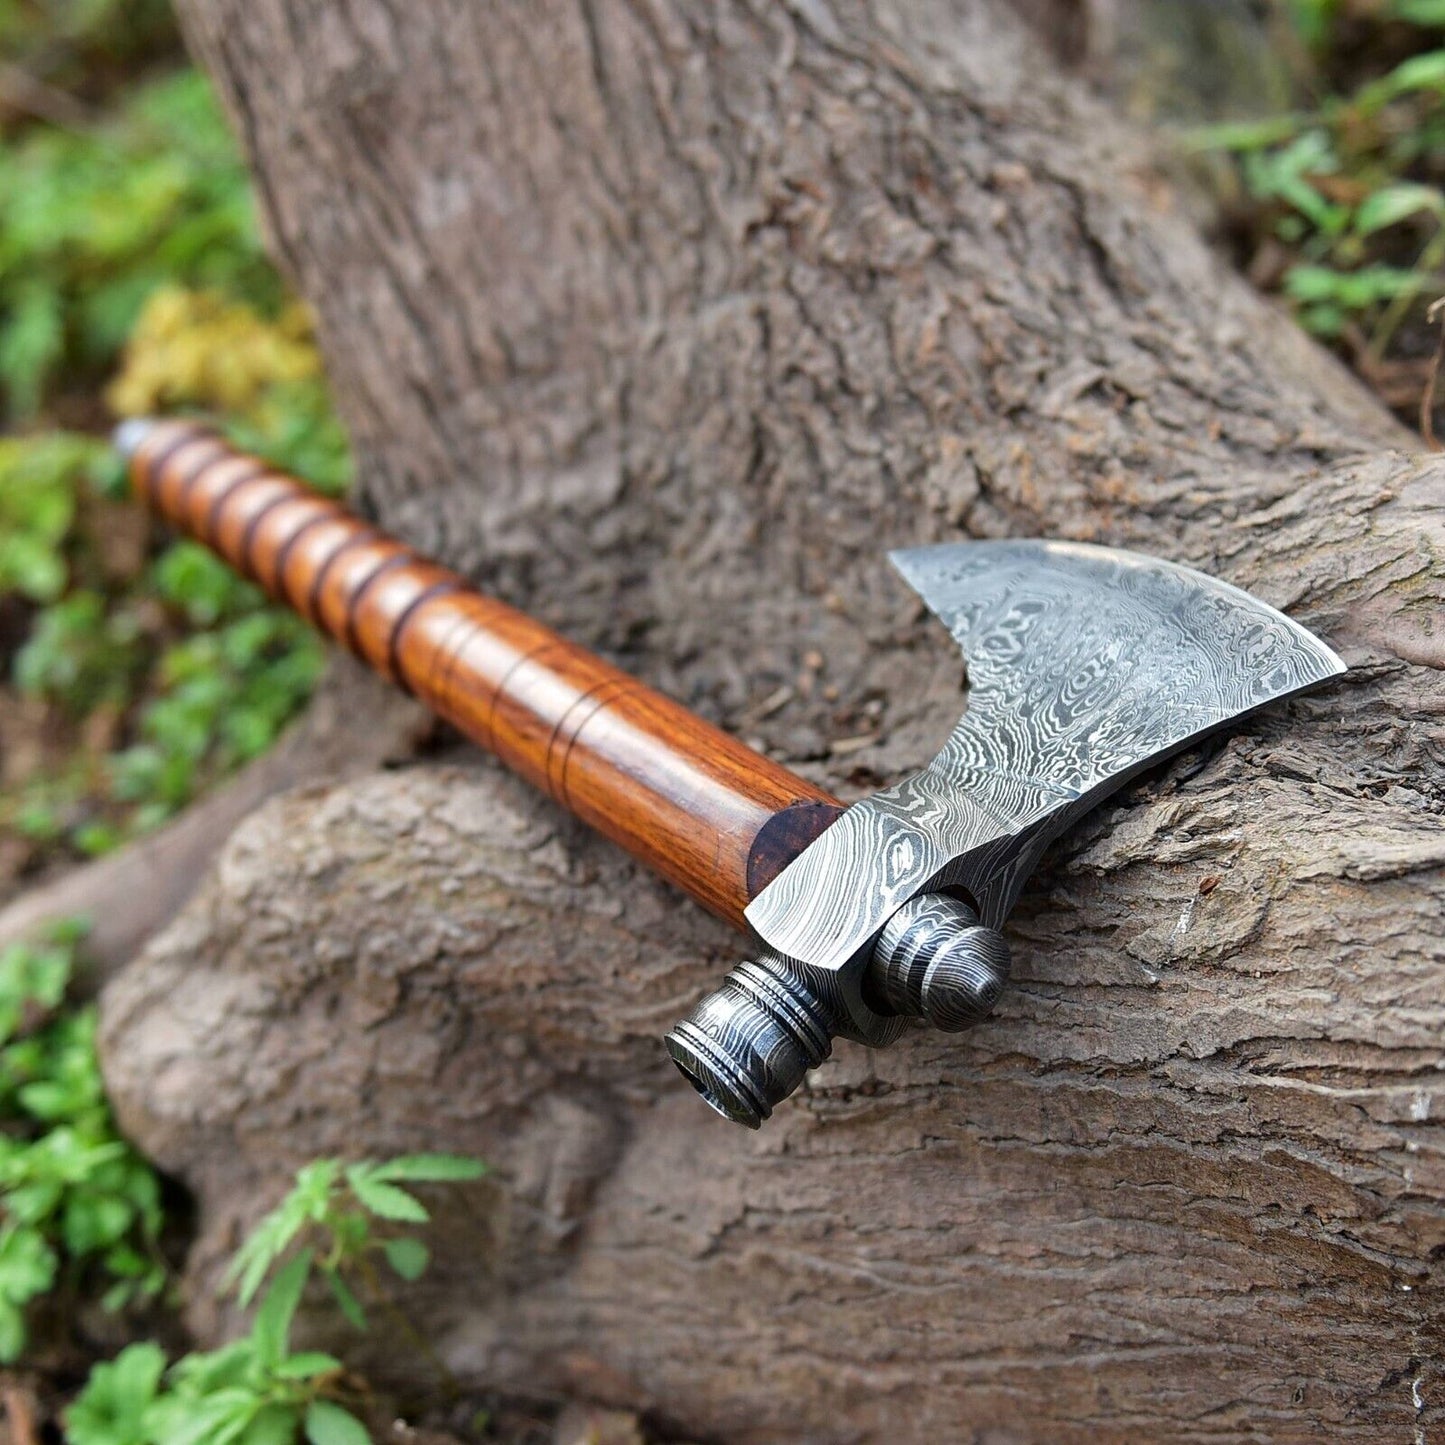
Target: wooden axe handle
<point x="686" y="799"/>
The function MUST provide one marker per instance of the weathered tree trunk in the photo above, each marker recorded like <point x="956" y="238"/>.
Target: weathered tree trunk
<point x="663" y="319"/>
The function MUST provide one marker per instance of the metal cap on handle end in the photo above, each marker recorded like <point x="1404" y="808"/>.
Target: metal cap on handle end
<point x="748" y="1044"/>
<point x="130" y="434"/>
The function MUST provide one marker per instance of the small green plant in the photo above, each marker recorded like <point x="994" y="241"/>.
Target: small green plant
<point x="81" y="654"/>
<point x="218" y="673"/>
<point x="81" y="1207"/>
<point x="219" y="696"/>
<point x="256" y="1391"/>
<point x="37" y="511"/>
<point x="93" y="220"/>
<point x="340" y="1205"/>
<point x="203" y="672"/>
<point x="1350" y="188"/>
<point x="77" y="1200"/>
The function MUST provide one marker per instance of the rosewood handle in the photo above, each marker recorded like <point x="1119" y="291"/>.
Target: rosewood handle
<point x="686" y="799"/>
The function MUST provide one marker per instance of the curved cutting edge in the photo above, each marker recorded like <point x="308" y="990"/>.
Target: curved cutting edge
<point x="1086" y="662"/>
<point x="1085" y="665"/>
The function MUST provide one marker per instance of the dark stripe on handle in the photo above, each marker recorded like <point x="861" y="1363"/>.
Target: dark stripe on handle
<point x="312" y="610"/>
<point x="447" y="587"/>
<point x="200" y="456"/>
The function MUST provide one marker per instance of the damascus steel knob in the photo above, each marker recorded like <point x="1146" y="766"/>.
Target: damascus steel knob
<point x="935" y="961"/>
<point x="748" y="1044"/>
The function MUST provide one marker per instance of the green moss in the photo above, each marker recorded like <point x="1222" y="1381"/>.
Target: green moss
<point x="78" y="1202"/>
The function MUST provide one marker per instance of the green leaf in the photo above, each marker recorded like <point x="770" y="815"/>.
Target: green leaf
<point x="1353" y="290"/>
<point x="430" y="1168"/>
<point x="112" y="1408"/>
<point x="108" y="474"/>
<point x="31" y="342"/>
<point x="31" y="976"/>
<point x="12" y="1332"/>
<point x="118" y="1296"/>
<point x="217" y="1419"/>
<point x="329" y="1424"/>
<point x="273" y="1319"/>
<point x="212" y="1370"/>
<point x="1312" y="20"/>
<point x="32" y="568"/>
<point x="346" y="1302"/>
<point x="307" y="1365"/>
<point x="136" y="1372"/>
<point x="1289" y="174"/>
<point x="78" y="654"/>
<point x="385" y="1200"/>
<point x="1247" y="135"/>
<point x="27" y="1263"/>
<point x="308" y="1202"/>
<point x="196" y="580"/>
<point x="408" y="1257"/>
<point x="275" y="1424"/>
<point x="1419" y="72"/>
<point x="1392" y="204"/>
<point x="93" y="1220"/>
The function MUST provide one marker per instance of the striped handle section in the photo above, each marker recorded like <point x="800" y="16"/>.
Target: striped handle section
<point x="688" y="800"/>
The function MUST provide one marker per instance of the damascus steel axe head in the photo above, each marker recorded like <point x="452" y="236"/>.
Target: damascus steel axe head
<point x="1085" y="666"/>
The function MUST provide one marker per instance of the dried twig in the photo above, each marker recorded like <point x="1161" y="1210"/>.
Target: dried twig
<point x="1436" y="312"/>
<point x="25" y="92"/>
<point x="19" y="1414"/>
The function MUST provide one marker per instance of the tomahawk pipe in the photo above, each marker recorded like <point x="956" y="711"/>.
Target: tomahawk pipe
<point x="1086" y="665"/>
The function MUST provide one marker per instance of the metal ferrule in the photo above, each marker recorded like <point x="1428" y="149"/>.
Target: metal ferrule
<point x="934" y="961"/>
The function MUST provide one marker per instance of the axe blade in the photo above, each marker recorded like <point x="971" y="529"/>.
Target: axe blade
<point x="1088" y="663"/>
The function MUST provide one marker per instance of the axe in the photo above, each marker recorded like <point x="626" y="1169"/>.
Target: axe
<point x="1086" y="665"/>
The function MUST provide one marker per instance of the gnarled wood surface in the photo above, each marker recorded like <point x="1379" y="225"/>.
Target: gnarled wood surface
<point x="662" y="320"/>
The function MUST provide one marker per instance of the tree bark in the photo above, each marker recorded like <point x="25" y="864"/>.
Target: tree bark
<point x="663" y="320"/>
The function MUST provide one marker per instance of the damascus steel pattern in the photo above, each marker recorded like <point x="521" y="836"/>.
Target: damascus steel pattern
<point x="750" y="1043"/>
<point x="1085" y="665"/>
<point x="934" y="961"/>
